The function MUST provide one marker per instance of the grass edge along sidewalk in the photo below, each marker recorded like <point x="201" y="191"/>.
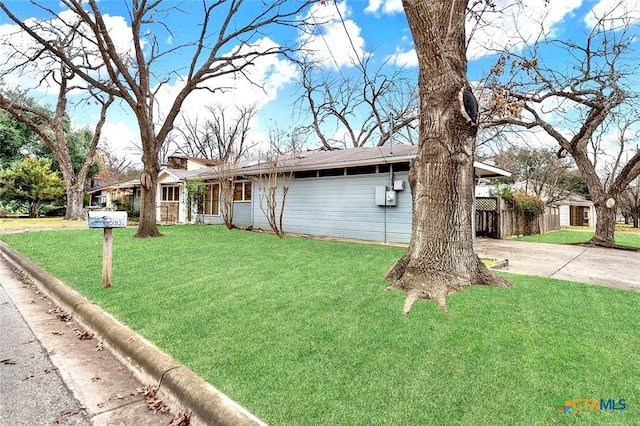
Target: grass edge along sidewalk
<point x="205" y="403"/>
<point x="301" y="332"/>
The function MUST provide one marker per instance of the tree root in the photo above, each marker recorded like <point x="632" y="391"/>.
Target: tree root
<point x="437" y="285"/>
<point x="408" y="303"/>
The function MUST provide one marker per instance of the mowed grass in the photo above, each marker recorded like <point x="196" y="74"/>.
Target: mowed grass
<point x="301" y="331"/>
<point x="577" y="237"/>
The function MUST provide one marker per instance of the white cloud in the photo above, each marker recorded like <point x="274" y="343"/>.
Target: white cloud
<point x="16" y="47"/>
<point x="332" y="40"/>
<point x="513" y="24"/>
<point x="615" y="12"/>
<point x="259" y="85"/>
<point x="373" y="6"/>
<point x="122" y="140"/>
<point x="270" y="72"/>
<point x="387" y="7"/>
<point x="402" y="58"/>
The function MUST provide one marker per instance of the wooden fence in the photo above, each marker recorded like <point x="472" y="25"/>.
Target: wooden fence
<point x="495" y="220"/>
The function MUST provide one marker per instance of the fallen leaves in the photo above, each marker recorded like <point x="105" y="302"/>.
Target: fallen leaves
<point x="156" y="405"/>
<point x="83" y="334"/>
<point x="153" y="403"/>
<point x="61" y="314"/>
<point x="181" y="419"/>
<point x="8" y="361"/>
<point x="65" y="417"/>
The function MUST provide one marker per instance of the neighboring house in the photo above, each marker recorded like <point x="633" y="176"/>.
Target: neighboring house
<point x="359" y="193"/>
<point x="576" y="210"/>
<point x="104" y="195"/>
<point x="171" y="194"/>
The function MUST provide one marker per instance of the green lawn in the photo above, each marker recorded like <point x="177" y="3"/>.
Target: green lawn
<point x="301" y="332"/>
<point x="576" y="236"/>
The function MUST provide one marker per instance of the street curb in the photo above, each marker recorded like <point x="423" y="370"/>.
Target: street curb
<point x="206" y="403"/>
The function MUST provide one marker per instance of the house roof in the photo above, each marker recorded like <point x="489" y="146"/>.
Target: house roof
<point x="180" y="173"/>
<point x="120" y="185"/>
<point x="573" y="199"/>
<point x="204" y="161"/>
<point x="322" y="160"/>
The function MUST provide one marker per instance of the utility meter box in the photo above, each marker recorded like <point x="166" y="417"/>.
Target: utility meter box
<point x="106" y="219"/>
<point x="398" y="185"/>
<point x="385" y="197"/>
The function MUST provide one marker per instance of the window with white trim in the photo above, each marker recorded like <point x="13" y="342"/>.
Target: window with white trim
<point x="171" y="193"/>
<point x="212" y="200"/>
<point x="242" y="191"/>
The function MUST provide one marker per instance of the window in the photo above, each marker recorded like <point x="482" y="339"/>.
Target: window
<point x="397" y="167"/>
<point x="402" y="167"/>
<point x="362" y="170"/>
<point x="138" y="193"/>
<point x="306" y="174"/>
<point x="170" y="193"/>
<point x="212" y="200"/>
<point x="242" y="191"/>
<point x="332" y="172"/>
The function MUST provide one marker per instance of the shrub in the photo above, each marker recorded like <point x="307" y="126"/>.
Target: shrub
<point x="10" y="208"/>
<point x="529" y="205"/>
<point x="122" y="203"/>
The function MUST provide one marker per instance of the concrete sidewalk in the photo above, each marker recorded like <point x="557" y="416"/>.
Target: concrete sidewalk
<point x="32" y="391"/>
<point x="593" y="265"/>
<point x="72" y="381"/>
<point x="105" y="381"/>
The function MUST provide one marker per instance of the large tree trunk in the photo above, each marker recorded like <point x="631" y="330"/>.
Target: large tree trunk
<point x="605" y="222"/>
<point x="440" y="257"/>
<point x="75" y="201"/>
<point x="74" y="182"/>
<point x="148" y="227"/>
<point x="604" y="201"/>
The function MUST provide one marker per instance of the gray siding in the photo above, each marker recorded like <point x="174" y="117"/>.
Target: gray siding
<point x="342" y="207"/>
<point x="241" y="215"/>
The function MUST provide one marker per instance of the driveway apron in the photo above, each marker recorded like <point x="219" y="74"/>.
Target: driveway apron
<point x="593" y="265"/>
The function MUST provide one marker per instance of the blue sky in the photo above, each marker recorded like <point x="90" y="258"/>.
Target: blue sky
<point x="353" y="27"/>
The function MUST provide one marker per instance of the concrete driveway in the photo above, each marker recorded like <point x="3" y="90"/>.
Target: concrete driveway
<point x="594" y="265"/>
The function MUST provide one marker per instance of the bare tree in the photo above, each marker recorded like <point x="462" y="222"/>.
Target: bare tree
<point x="539" y="171"/>
<point x="582" y="106"/>
<point x="114" y="168"/>
<point x="227" y="180"/>
<point x="221" y="135"/>
<point x="364" y="103"/>
<point x="273" y="185"/>
<point x="440" y="257"/>
<point x="51" y="128"/>
<point x="228" y="43"/>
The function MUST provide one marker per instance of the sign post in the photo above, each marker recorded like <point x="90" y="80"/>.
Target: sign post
<point x="107" y="220"/>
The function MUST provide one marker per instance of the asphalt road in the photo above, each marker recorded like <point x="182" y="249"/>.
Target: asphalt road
<point x="31" y="389"/>
<point x="50" y="376"/>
